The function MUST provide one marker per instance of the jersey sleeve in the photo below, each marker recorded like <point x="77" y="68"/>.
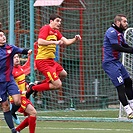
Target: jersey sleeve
<point x="113" y="37"/>
<point x="26" y="66"/>
<point x="59" y="35"/>
<point x="17" y="49"/>
<point x="43" y="32"/>
<point x="125" y="42"/>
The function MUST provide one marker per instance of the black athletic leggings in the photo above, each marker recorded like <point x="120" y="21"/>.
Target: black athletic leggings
<point x="125" y="91"/>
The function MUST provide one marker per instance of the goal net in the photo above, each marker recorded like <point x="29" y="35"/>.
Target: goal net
<point x="127" y="60"/>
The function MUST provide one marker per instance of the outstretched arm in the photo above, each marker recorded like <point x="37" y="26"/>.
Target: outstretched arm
<point x="27" y="51"/>
<point x="126" y="48"/>
<point x="71" y="41"/>
<point x="26" y="66"/>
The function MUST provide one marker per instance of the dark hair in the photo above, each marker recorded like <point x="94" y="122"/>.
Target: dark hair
<point x="118" y="17"/>
<point x="1" y="30"/>
<point x="54" y="16"/>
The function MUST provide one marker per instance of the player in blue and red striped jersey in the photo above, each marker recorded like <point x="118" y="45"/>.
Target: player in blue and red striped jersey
<point x="7" y="83"/>
<point x="114" y="43"/>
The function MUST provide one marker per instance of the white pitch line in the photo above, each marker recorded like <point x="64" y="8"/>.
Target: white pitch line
<point x="91" y="129"/>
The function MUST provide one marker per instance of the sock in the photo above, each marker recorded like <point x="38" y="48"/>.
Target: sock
<point x="8" y="119"/>
<point x="131" y="103"/>
<point x="14" y="109"/>
<point x="128" y="109"/>
<point x="41" y="87"/>
<point x="128" y="86"/>
<point x="122" y="94"/>
<point x="32" y="124"/>
<point x="43" y="81"/>
<point x="22" y="125"/>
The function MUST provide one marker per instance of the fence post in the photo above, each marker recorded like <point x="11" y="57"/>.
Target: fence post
<point x="32" y="78"/>
<point x="11" y="28"/>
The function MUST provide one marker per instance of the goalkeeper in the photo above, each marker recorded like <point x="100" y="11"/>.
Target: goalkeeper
<point x="113" y="44"/>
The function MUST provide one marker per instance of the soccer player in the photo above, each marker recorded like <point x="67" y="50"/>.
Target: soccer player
<point x="114" y="43"/>
<point x="19" y="73"/>
<point x="48" y="38"/>
<point x="7" y="83"/>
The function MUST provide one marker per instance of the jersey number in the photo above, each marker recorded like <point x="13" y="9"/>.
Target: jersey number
<point x="120" y="79"/>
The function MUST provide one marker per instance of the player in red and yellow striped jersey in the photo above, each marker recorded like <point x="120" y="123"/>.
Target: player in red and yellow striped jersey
<point x="19" y="73"/>
<point x="49" y="37"/>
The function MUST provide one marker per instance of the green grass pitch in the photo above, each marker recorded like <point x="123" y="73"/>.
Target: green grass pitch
<point x="70" y="126"/>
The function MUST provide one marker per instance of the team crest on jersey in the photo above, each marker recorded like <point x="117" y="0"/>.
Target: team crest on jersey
<point x="21" y="69"/>
<point x="112" y="31"/>
<point x="55" y="34"/>
<point x="51" y="33"/>
<point x="9" y="51"/>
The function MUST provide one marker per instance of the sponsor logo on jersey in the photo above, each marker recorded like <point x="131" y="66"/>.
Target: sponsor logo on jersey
<point x="8" y="51"/>
<point x="21" y="82"/>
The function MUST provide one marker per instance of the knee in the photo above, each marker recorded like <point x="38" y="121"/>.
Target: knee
<point x="17" y="100"/>
<point x="33" y="112"/>
<point x="128" y="82"/>
<point x="5" y="107"/>
<point x="63" y="75"/>
<point x="17" y="103"/>
<point x="58" y="85"/>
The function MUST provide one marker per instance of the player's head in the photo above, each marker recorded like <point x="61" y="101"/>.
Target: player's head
<point x="121" y="21"/>
<point x="55" y="21"/>
<point x="16" y="60"/>
<point x="2" y="38"/>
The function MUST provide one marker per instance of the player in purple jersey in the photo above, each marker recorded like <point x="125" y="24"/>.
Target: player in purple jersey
<point x="114" y="43"/>
<point x="7" y="83"/>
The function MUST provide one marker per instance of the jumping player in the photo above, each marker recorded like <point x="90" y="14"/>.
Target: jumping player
<point x="114" y="43"/>
<point x="48" y="38"/>
<point x="7" y="83"/>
